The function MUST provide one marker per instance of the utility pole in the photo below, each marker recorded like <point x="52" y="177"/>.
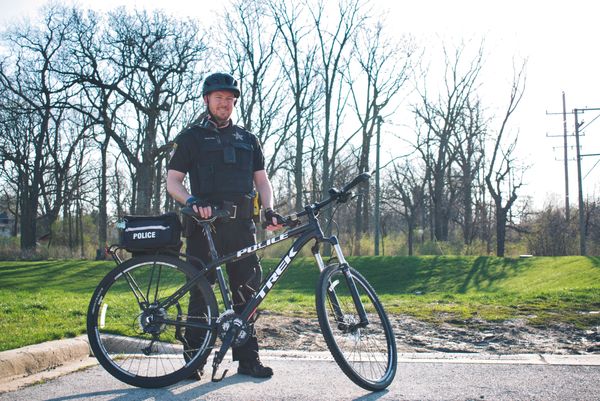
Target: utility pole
<point x="377" y="186"/>
<point x="578" y="158"/>
<point x="567" y="207"/>
<point x="582" y="249"/>
<point x="582" y="239"/>
<point x="565" y="157"/>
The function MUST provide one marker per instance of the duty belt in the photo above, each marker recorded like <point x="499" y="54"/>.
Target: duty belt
<point x="243" y="209"/>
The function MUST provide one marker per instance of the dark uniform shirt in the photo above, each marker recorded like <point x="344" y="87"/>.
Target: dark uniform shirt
<point x="199" y="152"/>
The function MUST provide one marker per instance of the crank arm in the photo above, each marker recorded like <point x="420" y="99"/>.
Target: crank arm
<point x="220" y="354"/>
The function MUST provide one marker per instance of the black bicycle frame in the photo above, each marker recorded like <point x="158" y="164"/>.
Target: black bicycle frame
<point x="305" y="233"/>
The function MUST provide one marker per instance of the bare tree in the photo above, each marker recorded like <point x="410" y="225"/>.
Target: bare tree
<point x="504" y="178"/>
<point x="384" y="66"/>
<point x="406" y="197"/>
<point x="297" y="60"/>
<point x="250" y="43"/>
<point x="469" y="159"/>
<point x="334" y="41"/>
<point x="151" y="63"/>
<point x="30" y="77"/>
<point x="441" y="119"/>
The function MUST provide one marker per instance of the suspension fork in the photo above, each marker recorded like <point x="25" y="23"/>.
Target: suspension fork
<point x="360" y="308"/>
<point x="335" y="304"/>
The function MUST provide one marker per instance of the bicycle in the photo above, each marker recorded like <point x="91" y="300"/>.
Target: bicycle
<point x="139" y="312"/>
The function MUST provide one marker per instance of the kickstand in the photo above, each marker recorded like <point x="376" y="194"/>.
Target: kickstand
<point x="214" y="373"/>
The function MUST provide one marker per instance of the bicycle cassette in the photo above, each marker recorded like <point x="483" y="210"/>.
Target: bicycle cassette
<point x="232" y="321"/>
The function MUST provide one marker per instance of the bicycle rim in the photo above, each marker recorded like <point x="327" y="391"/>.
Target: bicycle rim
<point x="133" y="337"/>
<point x="367" y="355"/>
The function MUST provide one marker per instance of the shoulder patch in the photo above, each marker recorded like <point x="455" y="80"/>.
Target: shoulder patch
<point x="173" y="149"/>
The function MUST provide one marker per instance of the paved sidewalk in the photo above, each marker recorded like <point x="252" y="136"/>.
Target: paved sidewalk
<point x="41" y="362"/>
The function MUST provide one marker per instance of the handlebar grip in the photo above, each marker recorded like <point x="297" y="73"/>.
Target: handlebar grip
<point x="188" y="211"/>
<point x="357" y="180"/>
<point x="283" y="222"/>
<point x="288" y="221"/>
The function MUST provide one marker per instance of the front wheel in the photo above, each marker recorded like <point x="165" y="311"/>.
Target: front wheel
<point x="146" y="326"/>
<point x="365" y="351"/>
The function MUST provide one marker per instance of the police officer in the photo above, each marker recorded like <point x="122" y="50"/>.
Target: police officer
<point x="225" y="163"/>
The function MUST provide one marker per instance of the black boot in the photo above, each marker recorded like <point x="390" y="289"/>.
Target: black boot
<point x="254" y="368"/>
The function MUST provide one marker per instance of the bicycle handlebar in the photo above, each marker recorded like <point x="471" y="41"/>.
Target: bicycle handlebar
<point x="357" y="180"/>
<point x="335" y="195"/>
<point x="291" y="220"/>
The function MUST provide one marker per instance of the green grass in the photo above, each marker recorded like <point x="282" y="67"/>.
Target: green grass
<point x="41" y="301"/>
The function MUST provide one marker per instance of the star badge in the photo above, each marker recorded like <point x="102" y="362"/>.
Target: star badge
<point x="238" y="136"/>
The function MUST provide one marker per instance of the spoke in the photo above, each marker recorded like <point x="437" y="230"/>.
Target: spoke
<point x="157" y="284"/>
<point x="137" y="292"/>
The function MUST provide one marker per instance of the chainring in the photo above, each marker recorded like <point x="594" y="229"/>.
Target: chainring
<point x="232" y="321"/>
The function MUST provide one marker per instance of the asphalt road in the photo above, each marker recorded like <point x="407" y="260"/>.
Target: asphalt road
<point x="319" y="379"/>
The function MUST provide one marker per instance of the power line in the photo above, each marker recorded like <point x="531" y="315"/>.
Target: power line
<point x="593" y="167"/>
<point x="582" y="238"/>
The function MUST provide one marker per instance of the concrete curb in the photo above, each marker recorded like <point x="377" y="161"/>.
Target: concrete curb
<point x="33" y="359"/>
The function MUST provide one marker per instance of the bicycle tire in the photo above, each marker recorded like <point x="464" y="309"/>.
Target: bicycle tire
<point x="127" y="333"/>
<point x="367" y="355"/>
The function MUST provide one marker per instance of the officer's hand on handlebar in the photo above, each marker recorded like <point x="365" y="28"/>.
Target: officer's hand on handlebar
<point x="200" y="206"/>
<point x="274" y="220"/>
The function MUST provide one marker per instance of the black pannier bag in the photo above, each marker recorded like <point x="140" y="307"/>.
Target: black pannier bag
<point x="149" y="234"/>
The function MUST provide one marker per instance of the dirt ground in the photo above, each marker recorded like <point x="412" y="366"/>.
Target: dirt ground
<point x="511" y="337"/>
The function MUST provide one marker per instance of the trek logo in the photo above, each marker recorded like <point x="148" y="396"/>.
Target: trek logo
<point x="277" y="273"/>
<point x="144" y="235"/>
<point x="261" y="245"/>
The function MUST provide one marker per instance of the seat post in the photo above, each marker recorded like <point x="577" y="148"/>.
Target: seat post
<point x="206" y="227"/>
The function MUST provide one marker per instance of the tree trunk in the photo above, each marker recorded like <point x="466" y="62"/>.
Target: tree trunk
<point x="298" y="163"/>
<point x="468" y="205"/>
<point x="501" y="214"/>
<point x="80" y="228"/>
<point x="145" y="179"/>
<point x="410" y="220"/>
<point x="439" y="211"/>
<point x="28" y="224"/>
<point x="157" y="186"/>
<point x="102" y="212"/>
<point x="358" y="225"/>
<point x="134" y="193"/>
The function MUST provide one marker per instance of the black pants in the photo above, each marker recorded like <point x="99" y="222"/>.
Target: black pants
<point x="244" y="275"/>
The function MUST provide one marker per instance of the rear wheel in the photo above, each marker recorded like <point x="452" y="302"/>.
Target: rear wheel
<point x="138" y="338"/>
<point x="365" y="352"/>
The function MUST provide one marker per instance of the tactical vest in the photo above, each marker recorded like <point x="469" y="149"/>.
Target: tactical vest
<point x="223" y="164"/>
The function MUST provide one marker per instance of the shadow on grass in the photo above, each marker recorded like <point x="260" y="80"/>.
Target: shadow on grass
<point x="595" y="260"/>
<point x="486" y="272"/>
<point x="73" y="276"/>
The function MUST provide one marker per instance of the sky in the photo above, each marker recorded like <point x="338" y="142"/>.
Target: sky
<point x="557" y="38"/>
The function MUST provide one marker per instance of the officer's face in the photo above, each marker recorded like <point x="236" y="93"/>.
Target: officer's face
<point x="220" y="104"/>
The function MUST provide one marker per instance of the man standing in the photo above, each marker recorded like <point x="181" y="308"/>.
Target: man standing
<point x="225" y="163"/>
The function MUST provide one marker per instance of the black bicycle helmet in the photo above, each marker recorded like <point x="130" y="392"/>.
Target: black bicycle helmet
<point x="219" y="82"/>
